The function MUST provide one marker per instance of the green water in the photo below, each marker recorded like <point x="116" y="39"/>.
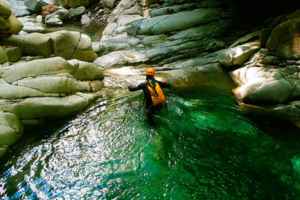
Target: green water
<point x="200" y="149"/>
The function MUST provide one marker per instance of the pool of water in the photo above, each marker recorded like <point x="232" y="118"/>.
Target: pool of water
<point x="201" y="148"/>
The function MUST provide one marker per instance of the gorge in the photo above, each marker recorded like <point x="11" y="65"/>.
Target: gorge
<point x="70" y="129"/>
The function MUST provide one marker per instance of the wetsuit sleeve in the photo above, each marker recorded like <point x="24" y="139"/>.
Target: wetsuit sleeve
<point x="139" y="87"/>
<point x="164" y="85"/>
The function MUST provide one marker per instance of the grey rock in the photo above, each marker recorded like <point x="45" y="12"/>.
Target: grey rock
<point x="36" y="5"/>
<point x="85" y="20"/>
<point x="74" y="12"/>
<point x="54" y="21"/>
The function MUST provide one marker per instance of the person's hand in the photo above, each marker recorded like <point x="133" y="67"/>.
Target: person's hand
<point x="164" y="81"/>
<point x="129" y="85"/>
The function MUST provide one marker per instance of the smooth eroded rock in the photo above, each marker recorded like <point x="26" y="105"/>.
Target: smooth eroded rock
<point x="32" y="44"/>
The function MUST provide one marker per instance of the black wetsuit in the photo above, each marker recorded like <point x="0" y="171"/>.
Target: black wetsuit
<point x="149" y="105"/>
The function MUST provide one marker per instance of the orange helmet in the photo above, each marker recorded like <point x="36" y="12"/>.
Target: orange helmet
<point x="150" y="72"/>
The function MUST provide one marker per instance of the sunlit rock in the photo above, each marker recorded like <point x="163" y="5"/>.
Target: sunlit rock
<point x="239" y="54"/>
<point x="5" y="10"/>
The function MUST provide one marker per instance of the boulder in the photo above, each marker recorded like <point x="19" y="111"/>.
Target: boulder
<point x="14" y="24"/>
<point x="3" y="57"/>
<point x="109" y="3"/>
<point x="49" y="107"/>
<point x="13" y="53"/>
<point x="88" y="71"/>
<point x="50" y="66"/>
<point x="11" y="129"/>
<point x="72" y="45"/>
<point x="238" y="55"/>
<point x="36" y="5"/>
<point x="74" y="12"/>
<point x="18" y="8"/>
<point x="5" y="10"/>
<point x="32" y="44"/>
<point x="260" y="84"/>
<point x="54" y="21"/>
<point x="63" y="14"/>
<point x="284" y="39"/>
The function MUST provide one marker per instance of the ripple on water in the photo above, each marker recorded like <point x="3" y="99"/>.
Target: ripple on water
<point x="201" y="149"/>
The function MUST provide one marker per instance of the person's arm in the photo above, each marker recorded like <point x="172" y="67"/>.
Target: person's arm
<point x="164" y="84"/>
<point x="132" y="89"/>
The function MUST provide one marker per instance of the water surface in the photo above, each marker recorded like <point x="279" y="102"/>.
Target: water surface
<point x="201" y="148"/>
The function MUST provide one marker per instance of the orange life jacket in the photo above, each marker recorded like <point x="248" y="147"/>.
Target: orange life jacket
<point x="158" y="96"/>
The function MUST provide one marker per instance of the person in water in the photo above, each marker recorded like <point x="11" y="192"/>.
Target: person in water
<point x="153" y="94"/>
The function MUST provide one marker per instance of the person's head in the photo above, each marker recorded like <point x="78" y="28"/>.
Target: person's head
<point x="150" y="73"/>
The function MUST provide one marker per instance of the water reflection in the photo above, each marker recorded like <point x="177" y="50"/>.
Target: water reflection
<point x="201" y="149"/>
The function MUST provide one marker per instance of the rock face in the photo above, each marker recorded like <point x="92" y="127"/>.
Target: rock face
<point x="36" y="5"/>
<point x="179" y="35"/>
<point x="45" y="89"/>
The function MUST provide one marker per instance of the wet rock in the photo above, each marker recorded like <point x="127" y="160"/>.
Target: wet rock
<point x="48" y="9"/>
<point x="32" y="44"/>
<point x="72" y="45"/>
<point x="74" y="12"/>
<point x="13" y="53"/>
<point x="11" y="130"/>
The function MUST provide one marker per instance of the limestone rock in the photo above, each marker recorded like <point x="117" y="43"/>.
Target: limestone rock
<point x="175" y="22"/>
<point x="3" y="57"/>
<point x="14" y="24"/>
<point x="259" y="84"/>
<point x="5" y="10"/>
<point x="54" y="84"/>
<point x="86" y="71"/>
<point x="36" y="5"/>
<point x="238" y="55"/>
<point x="11" y="129"/>
<point x="109" y="3"/>
<point x="74" y="12"/>
<point x="72" y="45"/>
<point x="284" y="39"/>
<point x="32" y="44"/>
<point x="50" y="66"/>
<point x="49" y="107"/>
<point x="63" y="14"/>
<point x="54" y="21"/>
<point x="13" y="53"/>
